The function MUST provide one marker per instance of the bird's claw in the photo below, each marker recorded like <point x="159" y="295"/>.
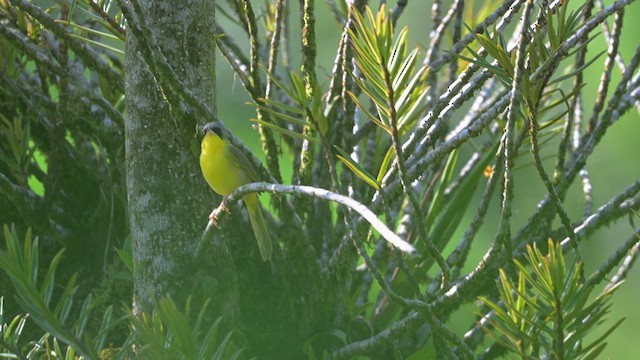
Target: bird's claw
<point x="223" y="205"/>
<point x="215" y="214"/>
<point x="214" y="217"/>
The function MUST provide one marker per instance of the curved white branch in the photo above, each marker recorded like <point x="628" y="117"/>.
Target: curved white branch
<point x="352" y="204"/>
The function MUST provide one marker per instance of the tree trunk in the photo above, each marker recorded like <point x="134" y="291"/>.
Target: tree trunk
<point x="167" y="208"/>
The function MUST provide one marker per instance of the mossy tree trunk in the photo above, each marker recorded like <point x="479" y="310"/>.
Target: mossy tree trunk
<point x="167" y="209"/>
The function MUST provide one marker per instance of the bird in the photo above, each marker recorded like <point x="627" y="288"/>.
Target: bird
<point x="225" y="168"/>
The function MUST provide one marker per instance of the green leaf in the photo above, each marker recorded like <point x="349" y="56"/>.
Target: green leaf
<point x="552" y="33"/>
<point x="547" y="287"/>
<point x="286" y="132"/>
<point x="21" y="266"/>
<point x="48" y="282"/>
<point x="292" y="95"/>
<point x="438" y="197"/>
<point x="99" y="44"/>
<point x="107" y="35"/>
<point x="125" y="254"/>
<point x="285" y="108"/>
<point x="576" y="71"/>
<point x="281" y="114"/>
<point x="356" y="168"/>
<point x="386" y="162"/>
<point x="404" y="73"/>
<point x="299" y="87"/>
<point x="364" y="110"/>
<point x="398" y="52"/>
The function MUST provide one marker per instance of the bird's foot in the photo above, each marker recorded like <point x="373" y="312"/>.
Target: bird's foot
<point x="215" y="214"/>
<point x="214" y="217"/>
<point x="223" y="205"/>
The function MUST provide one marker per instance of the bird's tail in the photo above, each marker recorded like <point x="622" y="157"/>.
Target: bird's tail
<point x="259" y="226"/>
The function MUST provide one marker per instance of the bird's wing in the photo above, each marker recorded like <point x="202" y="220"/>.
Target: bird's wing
<point x="243" y="163"/>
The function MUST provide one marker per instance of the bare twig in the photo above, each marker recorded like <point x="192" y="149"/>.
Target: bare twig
<point x="310" y="191"/>
<point x="504" y="229"/>
<point x="268" y="142"/>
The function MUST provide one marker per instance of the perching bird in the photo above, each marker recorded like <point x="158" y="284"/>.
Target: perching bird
<point x="226" y="168"/>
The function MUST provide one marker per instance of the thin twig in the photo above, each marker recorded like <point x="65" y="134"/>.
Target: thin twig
<point x="398" y="10"/>
<point x="310" y="83"/>
<point x="105" y="16"/>
<point x="607" y="35"/>
<point x="605" y="78"/>
<point x="626" y="254"/>
<point x="627" y="264"/>
<point x="617" y="206"/>
<point x="404" y="180"/>
<point x="457" y="34"/>
<point x="504" y="227"/>
<point x="234" y="57"/>
<point x="274" y="44"/>
<point x="266" y="135"/>
<point x="88" y="55"/>
<point x="384" y="285"/>
<point x="32" y="50"/>
<point x="458" y="256"/>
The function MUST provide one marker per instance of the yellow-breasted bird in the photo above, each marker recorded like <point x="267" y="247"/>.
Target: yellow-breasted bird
<point x="226" y="168"/>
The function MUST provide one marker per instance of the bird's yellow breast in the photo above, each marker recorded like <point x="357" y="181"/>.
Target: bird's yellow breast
<point x="218" y="167"/>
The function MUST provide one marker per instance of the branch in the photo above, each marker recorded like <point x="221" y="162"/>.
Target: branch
<point x="578" y="36"/>
<point x="504" y="228"/>
<point x="310" y="83"/>
<point x="89" y="56"/>
<point x="605" y="79"/>
<point x="35" y="53"/>
<point x="413" y="320"/>
<point x="627" y="254"/>
<point x="310" y="191"/>
<point x="266" y="135"/>
<point x="402" y="172"/>
<point x="619" y="205"/>
<point x="106" y="17"/>
<point x="236" y="59"/>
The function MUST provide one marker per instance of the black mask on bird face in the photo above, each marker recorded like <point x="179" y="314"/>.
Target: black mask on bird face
<point x="214" y="127"/>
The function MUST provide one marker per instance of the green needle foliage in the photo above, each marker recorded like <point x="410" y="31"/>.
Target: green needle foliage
<point x="169" y="333"/>
<point x="390" y="78"/>
<point x="21" y="262"/>
<point x="549" y="312"/>
<point x="70" y="329"/>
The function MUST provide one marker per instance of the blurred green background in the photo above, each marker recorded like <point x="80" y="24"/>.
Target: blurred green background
<point x="613" y="166"/>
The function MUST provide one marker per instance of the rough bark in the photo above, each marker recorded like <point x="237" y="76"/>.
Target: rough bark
<point x="167" y="202"/>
